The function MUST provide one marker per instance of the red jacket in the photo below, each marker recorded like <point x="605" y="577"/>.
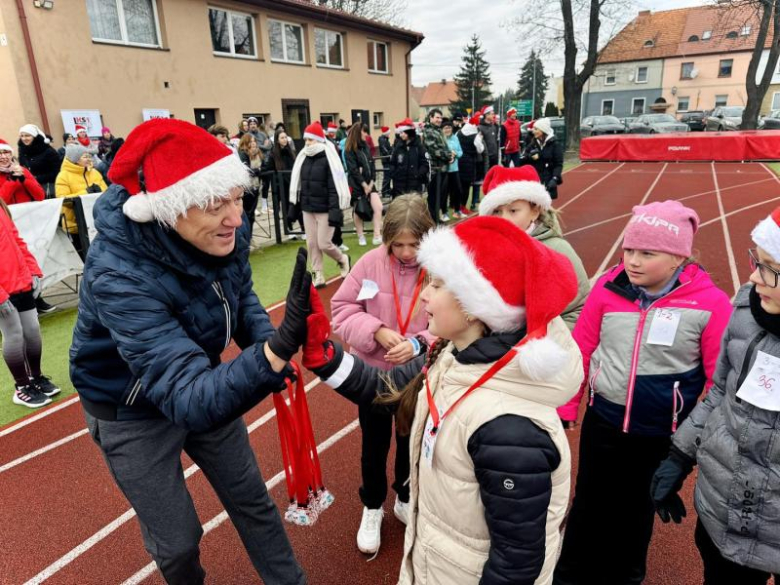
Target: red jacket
<point x="19" y="265"/>
<point x="512" y="128"/>
<point x="13" y="191"/>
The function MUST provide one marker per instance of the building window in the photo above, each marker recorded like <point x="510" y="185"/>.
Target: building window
<point x="686" y="70"/>
<point x="232" y="33"/>
<point x="637" y="106"/>
<point x="328" y="48"/>
<point x="641" y="74"/>
<point x="721" y="100"/>
<point x="724" y="69"/>
<point x="286" y="41"/>
<point x="732" y="34"/>
<point x="129" y="22"/>
<point x="609" y="78"/>
<point x="607" y="106"/>
<point x="776" y="101"/>
<point x="649" y="43"/>
<point x="706" y="35"/>
<point x="683" y="103"/>
<point x="693" y="39"/>
<point x="325" y="118"/>
<point x="378" y="119"/>
<point x="261" y="118"/>
<point x="377" y="57"/>
<point x="745" y="30"/>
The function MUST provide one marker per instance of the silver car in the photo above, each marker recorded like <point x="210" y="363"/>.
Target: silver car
<point x="657" y="124"/>
<point x="595" y="125"/>
<point x="724" y="118"/>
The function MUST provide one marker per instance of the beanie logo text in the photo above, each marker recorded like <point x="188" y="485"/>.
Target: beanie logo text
<point x="655" y="221"/>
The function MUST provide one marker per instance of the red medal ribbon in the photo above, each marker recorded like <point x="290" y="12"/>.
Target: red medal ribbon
<point x="404" y="325"/>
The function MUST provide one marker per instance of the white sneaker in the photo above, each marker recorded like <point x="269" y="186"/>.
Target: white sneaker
<point x="401" y="510"/>
<point x="344" y="248"/>
<point x="361" y="240"/>
<point x="344" y="266"/>
<point x="303" y="237"/>
<point x="319" y="280"/>
<point x="444" y="217"/>
<point x="376" y="241"/>
<point x="369" y="535"/>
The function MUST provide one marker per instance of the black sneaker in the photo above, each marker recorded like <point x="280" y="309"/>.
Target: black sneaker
<point x="44" y="307"/>
<point x="44" y="384"/>
<point x="30" y="397"/>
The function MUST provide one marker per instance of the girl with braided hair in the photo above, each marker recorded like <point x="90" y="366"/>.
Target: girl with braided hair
<point x="488" y="453"/>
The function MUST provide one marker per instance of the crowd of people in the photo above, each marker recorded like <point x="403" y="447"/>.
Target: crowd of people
<point x="473" y="345"/>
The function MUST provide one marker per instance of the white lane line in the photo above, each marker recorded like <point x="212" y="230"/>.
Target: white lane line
<point x="112" y="526"/>
<point x="42" y="450"/>
<point x="141" y="575"/>
<point x="619" y="239"/>
<point x="49" y="411"/>
<point x="686" y="198"/>
<point x="740" y="210"/>
<point x="726" y="235"/>
<point x="588" y="188"/>
<point x="771" y="172"/>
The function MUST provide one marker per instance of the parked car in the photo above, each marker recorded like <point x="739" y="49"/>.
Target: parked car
<point x="657" y="124"/>
<point x="771" y="121"/>
<point x="724" y="118"/>
<point x="694" y="119"/>
<point x="627" y="122"/>
<point x="595" y="125"/>
<point x="557" y="124"/>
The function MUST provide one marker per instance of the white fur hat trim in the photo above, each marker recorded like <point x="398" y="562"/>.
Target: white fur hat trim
<point x="512" y="191"/>
<point x="766" y="235"/>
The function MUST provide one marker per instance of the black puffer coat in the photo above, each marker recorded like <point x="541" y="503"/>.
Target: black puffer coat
<point x="318" y="191"/>
<point x="408" y="166"/>
<point x="549" y="165"/>
<point x="360" y="168"/>
<point x="40" y="159"/>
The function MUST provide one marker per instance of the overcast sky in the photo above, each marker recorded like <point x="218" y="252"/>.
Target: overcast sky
<point x="448" y="26"/>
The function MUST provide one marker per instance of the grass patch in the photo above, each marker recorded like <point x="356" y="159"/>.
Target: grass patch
<point x="271" y="268"/>
<point x="774" y="166"/>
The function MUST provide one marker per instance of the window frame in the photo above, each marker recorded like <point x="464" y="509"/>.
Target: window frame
<point x="387" y="57"/>
<point x="327" y="54"/>
<point x="612" y="108"/>
<point x="377" y="122"/>
<point x="690" y="73"/>
<point x="706" y="35"/>
<point x="326" y="117"/>
<point x="720" y="68"/>
<point x="636" y="74"/>
<point x="687" y="102"/>
<point x="607" y="76"/>
<point x="745" y="30"/>
<point x="232" y="52"/>
<point x="775" y="96"/>
<point x="633" y="109"/>
<point x="284" y="43"/>
<point x="724" y="104"/>
<point x="120" y="8"/>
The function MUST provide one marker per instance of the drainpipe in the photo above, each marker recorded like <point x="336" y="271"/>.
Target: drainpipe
<point x="33" y="66"/>
<point x="408" y="81"/>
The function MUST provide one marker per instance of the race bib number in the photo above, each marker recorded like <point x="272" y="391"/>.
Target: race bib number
<point x="762" y="386"/>
<point x="664" y="327"/>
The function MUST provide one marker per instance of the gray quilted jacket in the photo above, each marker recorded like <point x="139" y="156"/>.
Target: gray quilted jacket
<point x="737" y="447"/>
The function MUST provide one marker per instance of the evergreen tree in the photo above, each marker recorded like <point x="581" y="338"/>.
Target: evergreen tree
<point x="473" y="80"/>
<point x="551" y="110"/>
<point x="525" y="85"/>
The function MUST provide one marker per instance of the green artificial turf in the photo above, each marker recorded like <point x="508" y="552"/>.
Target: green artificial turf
<point x="271" y="269"/>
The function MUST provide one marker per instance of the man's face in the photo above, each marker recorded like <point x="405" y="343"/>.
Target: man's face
<point x="253" y="126"/>
<point x="436" y="119"/>
<point x="489" y="118"/>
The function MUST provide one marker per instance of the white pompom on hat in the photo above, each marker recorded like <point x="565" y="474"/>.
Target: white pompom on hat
<point x="504" y="185"/>
<point x="183" y="166"/>
<point x="507" y="280"/>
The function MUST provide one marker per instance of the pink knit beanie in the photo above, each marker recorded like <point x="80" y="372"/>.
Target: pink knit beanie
<point x="662" y="226"/>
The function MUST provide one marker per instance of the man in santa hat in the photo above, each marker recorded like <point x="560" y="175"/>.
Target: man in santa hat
<point x="167" y="285"/>
<point x="510" y="139"/>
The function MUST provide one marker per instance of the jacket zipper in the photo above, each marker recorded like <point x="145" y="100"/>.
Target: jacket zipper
<point x="635" y="358"/>
<point x="133" y="393"/>
<point x="218" y="288"/>
<point x="676" y="395"/>
<point x="593" y="384"/>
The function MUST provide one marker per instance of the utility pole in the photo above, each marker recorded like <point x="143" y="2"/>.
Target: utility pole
<point x="533" y="90"/>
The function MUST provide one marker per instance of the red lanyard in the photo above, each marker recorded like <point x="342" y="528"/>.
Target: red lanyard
<point x="505" y="359"/>
<point x="404" y="325"/>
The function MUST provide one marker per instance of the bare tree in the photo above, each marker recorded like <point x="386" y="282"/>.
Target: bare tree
<point x="581" y="26"/>
<point x="388" y="11"/>
<point x="767" y="14"/>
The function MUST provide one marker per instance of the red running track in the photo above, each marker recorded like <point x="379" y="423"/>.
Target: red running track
<point x="72" y="526"/>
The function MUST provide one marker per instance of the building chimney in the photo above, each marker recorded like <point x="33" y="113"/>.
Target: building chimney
<point x="444" y="82"/>
<point x="644" y="13"/>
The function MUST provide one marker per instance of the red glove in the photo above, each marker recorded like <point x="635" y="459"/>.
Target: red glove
<point x="317" y="351"/>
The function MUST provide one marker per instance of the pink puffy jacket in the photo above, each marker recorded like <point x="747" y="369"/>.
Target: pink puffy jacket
<point x="357" y="321"/>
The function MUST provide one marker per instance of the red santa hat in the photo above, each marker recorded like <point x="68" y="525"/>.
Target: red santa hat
<point x="766" y="235"/>
<point x="475" y="119"/>
<point x="511" y="111"/>
<point x="4" y="146"/>
<point x="79" y="128"/>
<point x="486" y="110"/>
<point x="503" y="185"/>
<point x="332" y="128"/>
<point x="385" y="130"/>
<point x="314" y="131"/>
<point x="404" y="125"/>
<point x="502" y="276"/>
<point x="183" y="166"/>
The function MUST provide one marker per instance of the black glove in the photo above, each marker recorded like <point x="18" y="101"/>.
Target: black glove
<point x="94" y="189"/>
<point x="291" y="333"/>
<point x="257" y="172"/>
<point x="667" y="481"/>
<point x="552" y="184"/>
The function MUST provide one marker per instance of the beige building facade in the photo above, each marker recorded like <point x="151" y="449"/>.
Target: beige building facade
<point x="204" y="62"/>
